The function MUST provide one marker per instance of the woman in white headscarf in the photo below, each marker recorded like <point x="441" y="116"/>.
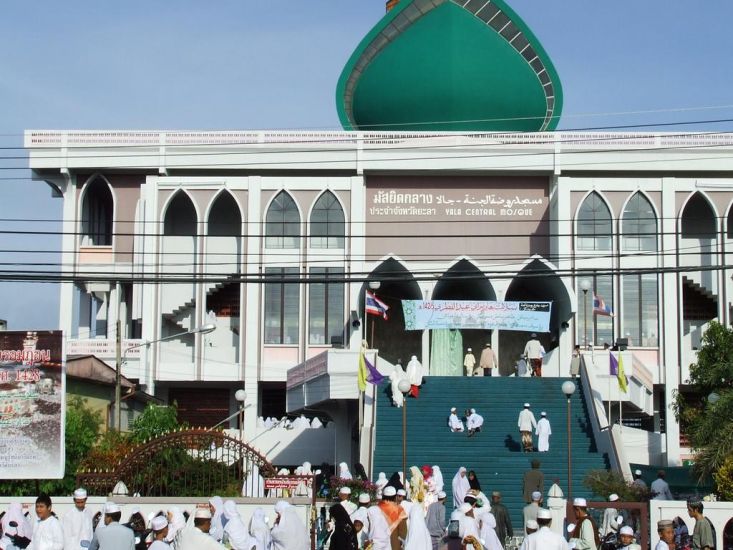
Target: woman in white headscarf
<point x="176" y="522"/>
<point x="414" y="375"/>
<point x="216" y="506"/>
<point x="235" y="533"/>
<point x="259" y="530"/>
<point x="344" y="472"/>
<point x="438" y="482"/>
<point x="488" y="529"/>
<point x="381" y="482"/>
<point x="460" y="487"/>
<point x="397" y="375"/>
<point x="289" y="532"/>
<point x="417" y="485"/>
<point x="418" y="536"/>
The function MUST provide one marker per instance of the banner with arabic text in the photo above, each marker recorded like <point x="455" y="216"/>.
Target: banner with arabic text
<point x="32" y="405"/>
<point x="457" y="314"/>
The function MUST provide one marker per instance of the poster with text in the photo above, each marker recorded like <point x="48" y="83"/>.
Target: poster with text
<point x="467" y="314"/>
<point x="32" y="405"/>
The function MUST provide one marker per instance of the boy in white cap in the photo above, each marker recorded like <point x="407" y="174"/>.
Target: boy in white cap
<point x="78" y="522"/>
<point x="543" y="433"/>
<point x="610" y="515"/>
<point x="454" y="423"/>
<point x="625" y="537"/>
<point x="665" y="530"/>
<point x="474" y="422"/>
<point x="585" y="534"/>
<point x="530" y="511"/>
<point x="526" y="424"/>
<point x="638" y="481"/>
<point x="114" y="536"/>
<point x="344" y="496"/>
<point x="159" y="525"/>
<point x="545" y="538"/>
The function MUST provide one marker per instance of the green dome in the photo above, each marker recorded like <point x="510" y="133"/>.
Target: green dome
<point x="442" y="65"/>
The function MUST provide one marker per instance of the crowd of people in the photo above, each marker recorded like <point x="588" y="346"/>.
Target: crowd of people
<point x="210" y="526"/>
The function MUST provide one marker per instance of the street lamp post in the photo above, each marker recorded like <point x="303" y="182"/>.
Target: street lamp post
<point x="204" y="329"/>
<point x="585" y="285"/>
<point x="568" y="388"/>
<point x="404" y="387"/>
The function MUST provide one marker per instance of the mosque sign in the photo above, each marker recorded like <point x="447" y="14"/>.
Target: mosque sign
<point x="468" y="314"/>
<point x="32" y="405"/>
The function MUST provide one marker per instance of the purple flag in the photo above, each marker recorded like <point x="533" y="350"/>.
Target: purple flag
<point x="614" y="364"/>
<point x="374" y="376"/>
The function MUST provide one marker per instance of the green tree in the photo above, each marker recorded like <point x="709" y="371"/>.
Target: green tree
<point x="155" y="421"/>
<point x="709" y="423"/>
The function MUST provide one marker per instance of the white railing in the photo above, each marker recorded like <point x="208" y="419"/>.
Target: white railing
<point x="102" y="348"/>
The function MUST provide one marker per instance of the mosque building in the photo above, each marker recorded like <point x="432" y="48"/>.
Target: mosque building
<point x="448" y="182"/>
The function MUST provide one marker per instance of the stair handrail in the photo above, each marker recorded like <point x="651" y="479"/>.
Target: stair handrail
<point x="599" y="422"/>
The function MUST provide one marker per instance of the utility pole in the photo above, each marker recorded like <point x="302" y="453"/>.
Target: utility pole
<point x="118" y="362"/>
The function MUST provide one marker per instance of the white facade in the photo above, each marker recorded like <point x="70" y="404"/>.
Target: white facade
<point x="194" y="206"/>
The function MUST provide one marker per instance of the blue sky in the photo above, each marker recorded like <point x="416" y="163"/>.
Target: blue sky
<point x="251" y="64"/>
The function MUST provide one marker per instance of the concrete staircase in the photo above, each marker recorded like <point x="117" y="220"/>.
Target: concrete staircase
<point x="495" y="453"/>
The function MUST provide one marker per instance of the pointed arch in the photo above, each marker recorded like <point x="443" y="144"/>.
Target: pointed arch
<point x="180" y="218"/>
<point x="698" y="217"/>
<point x="224" y="216"/>
<point x="327" y="222"/>
<point x="282" y="222"/>
<point x="464" y="281"/>
<point x="594" y="224"/>
<point x="639" y="224"/>
<point x="729" y="222"/>
<point x="97" y="212"/>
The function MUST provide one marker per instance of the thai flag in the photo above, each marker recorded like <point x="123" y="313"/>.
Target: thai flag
<point x="600" y="307"/>
<point x="374" y="306"/>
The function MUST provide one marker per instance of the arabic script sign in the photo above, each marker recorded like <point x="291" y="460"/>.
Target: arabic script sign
<point x="32" y="405"/>
<point x="456" y="314"/>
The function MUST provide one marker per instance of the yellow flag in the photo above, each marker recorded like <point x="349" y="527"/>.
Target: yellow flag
<point x="361" y="378"/>
<point x="621" y="375"/>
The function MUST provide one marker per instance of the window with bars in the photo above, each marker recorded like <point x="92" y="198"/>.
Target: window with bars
<point x="282" y="223"/>
<point x="640" y="309"/>
<point x="282" y="305"/>
<point x="594" y="224"/>
<point x="639" y="225"/>
<point x="327" y="227"/>
<point x="326" y="305"/>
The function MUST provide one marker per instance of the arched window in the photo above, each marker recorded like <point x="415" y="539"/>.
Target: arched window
<point x="594" y="224"/>
<point x="97" y="213"/>
<point x="698" y="219"/>
<point x="282" y="223"/>
<point x="180" y="217"/>
<point x="639" y="225"/>
<point x="225" y="219"/>
<point x="327" y="223"/>
<point x="730" y="223"/>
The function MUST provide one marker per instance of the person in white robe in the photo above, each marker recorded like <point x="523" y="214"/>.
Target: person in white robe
<point x="557" y="506"/>
<point x="316" y="423"/>
<point x="397" y="375"/>
<point x="360" y="519"/>
<point x="47" y="531"/>
<point x="289" y="532"/>
<point x="438" y="482"/>
<point x="474" y="422"/>
<point x="254" y="483"/>
<point x="235" y="533"/>
<point x="22" y="528"/>
<point x="417" y="485"/>
<point x="78" y="522"/>
<point x="381" y="482"/>
<point x="176" y="522"/>
<point x="216" y="507"/>
<point x="543" y="433"/>
<point x="418" y="536"/>
<point x="159" y="527"/>
<point x="196" y="536"/>
<point x="610" y="522"/>
<point x="454" y="423"/>
<point x="344" y="472"/>
<point x="461" y="486"/>
<point x="526" y="424"/>
<point x="378" y="530"/>
<point x="259" y="530"/>
<point x="467" y="525"/>
<point x="487" y="528"/>
<point x="415" y="375"/>
<point x="544" y="538"/>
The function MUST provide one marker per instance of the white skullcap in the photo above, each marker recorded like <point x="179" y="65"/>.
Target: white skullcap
<point x="637" y="472"/>
<point x="402" y="492"/>
<point x="613" y="497"/>
<point x="345" y="491"/>
<point x="452" y="409"/>
<point x="80" y="493"/>
<point x="202" y="513"/>
<point x="580" y="502"/>
<point x="473" y="411"/>
<point x="543" y="413"/>
<point x="441" y="495"/>
<point x="389" y="491"/>
<point x="465" y="507"/>
<point x="626" y="530"/>
<point x="544" y="513"/>
<point x="526" y="405"/>
<point x="469" y="349"/>
<point x="531" y="524"/>
<point x="111" y="508"/>
<point x="158" y="523"/>
<point x="364" y="498"/>
<point x="536" y="496"/>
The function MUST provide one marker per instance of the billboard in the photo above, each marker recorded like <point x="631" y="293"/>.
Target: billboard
<point x="32" y="405"/>
<point x="456" y="314"/>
